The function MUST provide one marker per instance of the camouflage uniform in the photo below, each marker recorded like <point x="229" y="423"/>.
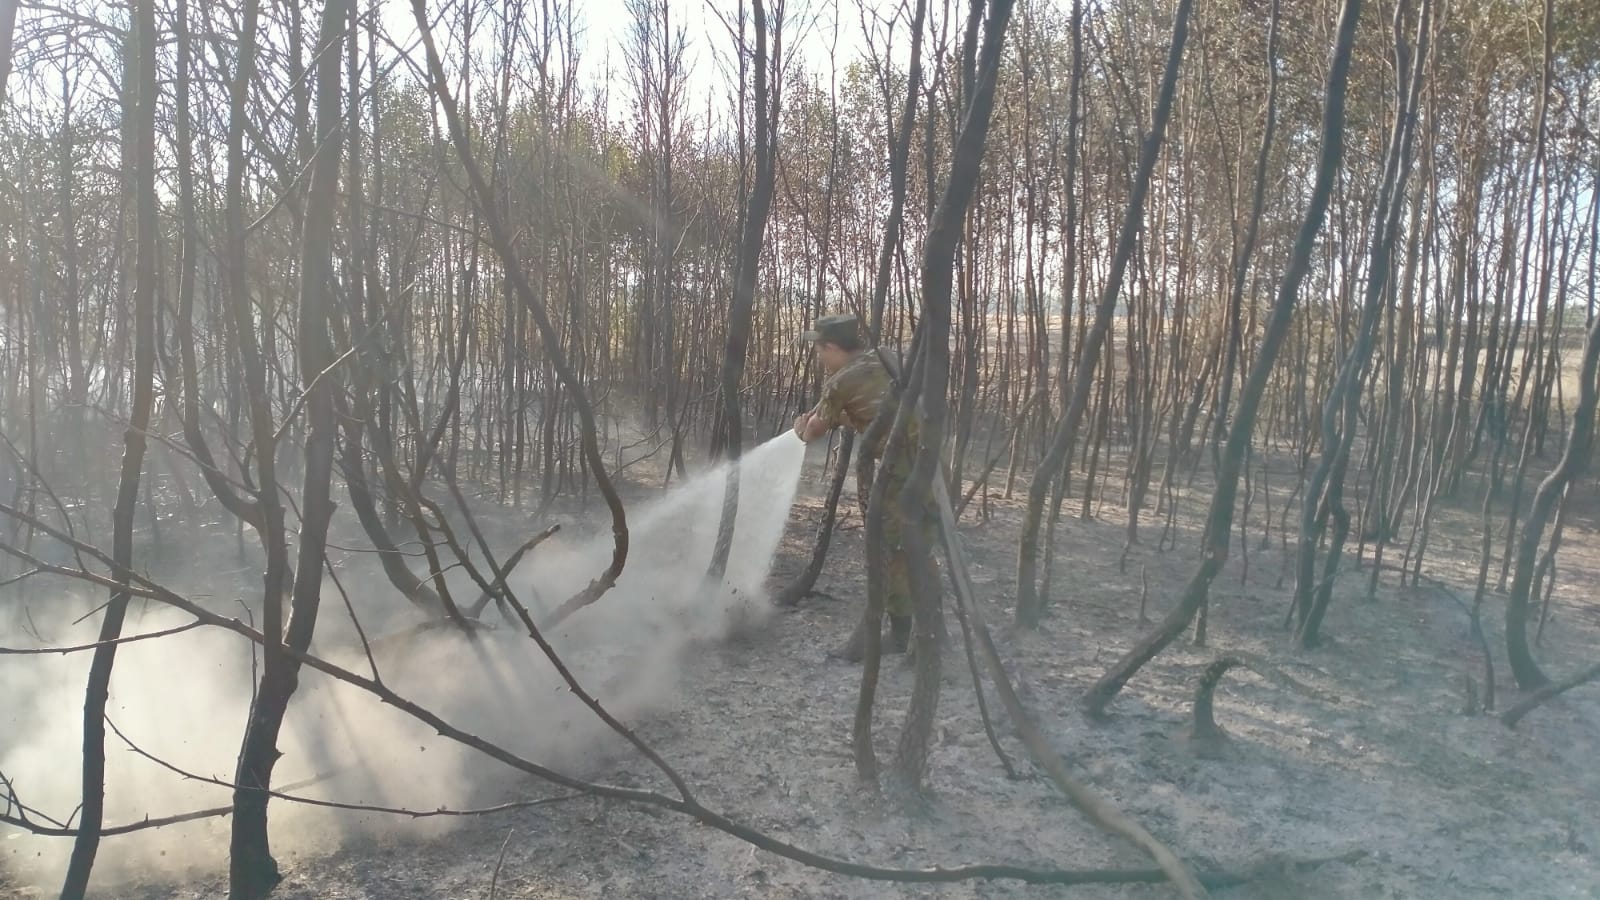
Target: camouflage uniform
<point x="852" y="397"/>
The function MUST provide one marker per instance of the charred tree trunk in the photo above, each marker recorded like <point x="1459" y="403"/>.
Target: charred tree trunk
<point x="253" y="872"/>
<point x="917" y="499"/>
<point x="730" y="441"/>
<point x="899" y="161"/>
<point x="246" y="509"/>
<point x="147" y="223"/>
<point x="1028" y="607"/>
<point x="1219" y="520"/>
<point x="1241" y="263"/>
<point x="1341" y="413"/>
<point x="1574" y="461"/>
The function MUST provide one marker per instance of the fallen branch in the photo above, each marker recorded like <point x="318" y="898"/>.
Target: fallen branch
<point x="1099" y="810"/>
<point x="1549" y="692"/>
<point x="977" y="688"/>
<point x="1206" y="735"/>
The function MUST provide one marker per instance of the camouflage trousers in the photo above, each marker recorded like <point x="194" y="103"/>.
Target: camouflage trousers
<point x="899" y="585"/>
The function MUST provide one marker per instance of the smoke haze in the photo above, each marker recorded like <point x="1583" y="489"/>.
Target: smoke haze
<point x="185" y="698"/>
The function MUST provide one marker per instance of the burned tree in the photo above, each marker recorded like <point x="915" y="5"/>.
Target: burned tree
<point x="253" y="871"/>
<point x="1219" y="520"/>
<point x="144" y="98"/>
<point x="766" y="80"/>
<point x="1090" y="348"/>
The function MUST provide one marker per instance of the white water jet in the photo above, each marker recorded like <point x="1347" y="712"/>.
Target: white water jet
<point x="663" y="593"/>
<point x="184" y="698"/>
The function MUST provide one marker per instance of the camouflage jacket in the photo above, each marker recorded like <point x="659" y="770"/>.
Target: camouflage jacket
<point x="853" y="395"/>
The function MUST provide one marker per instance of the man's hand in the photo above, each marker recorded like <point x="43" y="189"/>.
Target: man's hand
<point x="812" y="427"/>
<point x="800" y="423"/>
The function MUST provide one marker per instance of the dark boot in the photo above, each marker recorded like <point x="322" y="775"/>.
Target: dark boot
<point x="900" y="633"/>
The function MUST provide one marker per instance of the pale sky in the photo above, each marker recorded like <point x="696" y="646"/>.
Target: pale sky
<point x="810" y="38"/>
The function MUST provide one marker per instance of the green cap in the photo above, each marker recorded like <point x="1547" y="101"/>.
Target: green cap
<point x="836" y="329"/>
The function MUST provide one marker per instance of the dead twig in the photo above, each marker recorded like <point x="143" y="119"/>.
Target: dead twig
<point x="78" y="648"/>
<point x="510" y="566"/>
<point x="494" y="880"/>
<point x="442" y="811"/>
<point x="38" y="830"/>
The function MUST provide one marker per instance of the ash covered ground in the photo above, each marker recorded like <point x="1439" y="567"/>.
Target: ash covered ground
<point x="1383" y="762"/>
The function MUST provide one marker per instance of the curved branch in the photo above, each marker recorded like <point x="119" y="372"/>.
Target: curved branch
<point x="500" y="236"/>
<point x="1204" y="731"/>
<point x="684" y="804"/>
<point x="335" y="804"/>
<point x="1549" y="692"/>
<point x="1099" y="810"/>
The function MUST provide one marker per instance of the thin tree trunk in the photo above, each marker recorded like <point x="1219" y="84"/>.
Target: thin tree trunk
<point x="1219" y="520"/>
<point x="1028" y="607"/>
<point x="143" y="94"/>
<point x="246" y="509"/>
<point x="501" y="238"/>
<point x="1241" y="263"/>
<point x="1574" y="461"/>
<point x="917" y="499"/>
<point x="730" y="441"/>
<point x="1327" y="482"/>
<point x="253" y="872"/>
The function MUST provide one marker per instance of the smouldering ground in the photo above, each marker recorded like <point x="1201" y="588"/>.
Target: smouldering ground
<point x="1445" y="805"/>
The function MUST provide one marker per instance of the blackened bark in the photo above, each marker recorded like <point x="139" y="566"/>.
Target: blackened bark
<point x="1028" y="607"/>
<point x="1573" y="462"/>
<point x="938" y="269"/>
<point x="147" y="222"/>
<point x="1341" y="411"/>
<point x="1523" y="667"/>
<point x="1219" y="521"/>
<point x="252" y="870"/>
<point x="730" y="441"/>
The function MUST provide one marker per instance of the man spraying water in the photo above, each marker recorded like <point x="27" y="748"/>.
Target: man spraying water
<point x="855" y="389"/>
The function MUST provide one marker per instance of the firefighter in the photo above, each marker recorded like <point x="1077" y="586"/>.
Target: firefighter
<point x="856" y="386"/>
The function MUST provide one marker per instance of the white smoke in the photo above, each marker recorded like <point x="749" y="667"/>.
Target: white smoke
<point x="184" y="698"/>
